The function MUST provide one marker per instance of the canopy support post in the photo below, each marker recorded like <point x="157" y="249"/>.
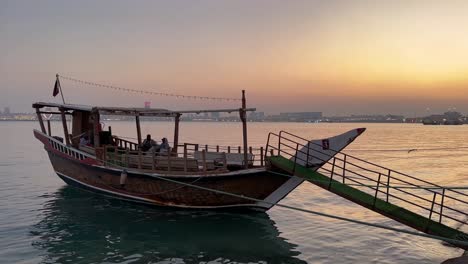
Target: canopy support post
<point x="243" y="117"/>
<point x="65" y="127"/>
<point x="97" y="128"/>
<point x="137" y="119"/>
<point x="176" y="133"/>
<point x="49" y="130"/>
<point x="41" y="122"/>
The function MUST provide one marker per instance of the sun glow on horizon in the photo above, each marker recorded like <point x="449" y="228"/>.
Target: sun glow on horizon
<point x="339" y="50"/>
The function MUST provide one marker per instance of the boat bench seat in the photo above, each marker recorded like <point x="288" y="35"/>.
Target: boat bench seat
<point x="236" y="159"/>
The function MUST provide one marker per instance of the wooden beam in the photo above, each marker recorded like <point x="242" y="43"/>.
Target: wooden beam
<point x="243" y="117"/>
<point x="132" y="111"/>
<point x="49" y="130"/>
<point x="41" y="122"/>
<point x="65" y="127"/>
<point x="176" y="133"/>
<point x="97" y="128"/>
<point x="261" y="156"/>
<point x="137" y="119"/>
<point x="54" y="113"/>
<point x="204" y="160"/>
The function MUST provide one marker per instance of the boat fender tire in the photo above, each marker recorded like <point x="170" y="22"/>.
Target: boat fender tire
<point x="123" y="178"/>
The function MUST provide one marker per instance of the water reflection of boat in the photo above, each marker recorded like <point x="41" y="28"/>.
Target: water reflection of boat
<point x="91" y="229"/>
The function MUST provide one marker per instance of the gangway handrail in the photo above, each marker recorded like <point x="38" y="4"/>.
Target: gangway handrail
<point x="377" y="165"/>
<point x="364" y="161"/>
<point x="363" y="168"/>
<point x="394" y="196"/>
<point x="366" y="169"/>
<point x="403" y="191"/>
<point x="331" y="159"/>
<point x="348" y="162"/>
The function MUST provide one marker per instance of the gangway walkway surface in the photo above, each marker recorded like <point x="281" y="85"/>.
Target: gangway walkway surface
<point x="414" y="202"/>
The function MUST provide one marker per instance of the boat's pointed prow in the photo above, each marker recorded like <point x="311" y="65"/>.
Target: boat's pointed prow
<point x="360" y="130"/>
<point x="316" y="152"/>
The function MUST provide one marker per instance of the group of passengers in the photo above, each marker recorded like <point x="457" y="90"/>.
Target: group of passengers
<point x="147" y="145"/>
<point x="152" y="146"/>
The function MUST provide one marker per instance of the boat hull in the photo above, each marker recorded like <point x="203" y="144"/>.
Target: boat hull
<point x="170" y="189"/>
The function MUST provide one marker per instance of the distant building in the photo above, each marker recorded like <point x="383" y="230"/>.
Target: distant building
<point x="301" y="116"/>
<point x="6" y="111"/>
<point x="147" y="105"/>
<point x="448" y="118"/>
<point x="367" y="119"/>
<point x="395" y="118"/>
<point x="257" y="116"/>
<point x="215" y="115"/>
<point x="413" y="120"/>
<point x="452" y="115"/>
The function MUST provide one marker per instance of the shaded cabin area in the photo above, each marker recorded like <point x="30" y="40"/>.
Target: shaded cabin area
<point x="87" y="135"/>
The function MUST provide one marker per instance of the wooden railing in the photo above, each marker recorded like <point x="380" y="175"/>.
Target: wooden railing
<point x="154" y="161"/>
<point x="253" y="151"/>
<point x="126" y="144"/>
<point x="189" y="148"/>
<point x="67" y="150"/>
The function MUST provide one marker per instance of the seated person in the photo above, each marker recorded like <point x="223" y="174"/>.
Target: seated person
<point x="154" y="147"/>
<point x="147" y="143"/>
<point x="84" y="140"/>
<point x="164" y="147"/>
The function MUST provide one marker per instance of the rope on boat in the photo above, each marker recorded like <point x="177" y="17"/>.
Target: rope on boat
<point x="449" y="240"/>
<point x="148" y="92"/>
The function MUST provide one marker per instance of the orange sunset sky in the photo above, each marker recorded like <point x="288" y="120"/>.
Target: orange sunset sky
<point x="339" y="57"/>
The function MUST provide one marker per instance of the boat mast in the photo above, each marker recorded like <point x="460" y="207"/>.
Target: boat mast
<point x="60" y="88"/>
<point x="243" y="117"/>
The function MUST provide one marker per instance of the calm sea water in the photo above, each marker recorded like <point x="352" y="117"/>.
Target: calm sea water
<point x="44" y="221"/>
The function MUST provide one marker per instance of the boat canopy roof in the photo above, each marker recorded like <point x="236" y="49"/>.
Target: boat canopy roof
<point x="131" y="111"/>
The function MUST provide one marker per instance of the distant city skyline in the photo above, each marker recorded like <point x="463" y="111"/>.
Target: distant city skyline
<point x="339" y="57"/>
<point x="261" y="115"/>
<point x="260" y="112"/>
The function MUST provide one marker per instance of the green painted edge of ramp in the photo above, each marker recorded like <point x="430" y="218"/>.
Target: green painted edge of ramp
<point x="397" y="213"/>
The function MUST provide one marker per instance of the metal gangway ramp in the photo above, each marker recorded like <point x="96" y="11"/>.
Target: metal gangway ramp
<point x="420" y="204"/>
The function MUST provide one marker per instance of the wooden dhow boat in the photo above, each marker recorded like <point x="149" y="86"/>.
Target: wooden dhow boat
<point x="114" y="166"/>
